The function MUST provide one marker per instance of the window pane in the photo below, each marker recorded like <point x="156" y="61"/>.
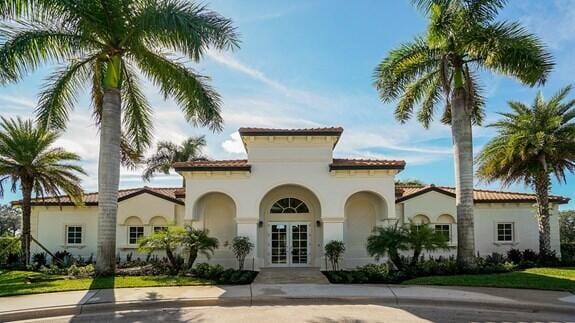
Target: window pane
<point x="74" y="235"/>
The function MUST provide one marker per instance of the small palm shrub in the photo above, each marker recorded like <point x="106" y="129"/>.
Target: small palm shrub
<point x="241" y="247"/>
<point x="196" y="242"/>
<point x="333" y="252"/>
<point x="165" y="240"/>
<point x="388" y="241"/>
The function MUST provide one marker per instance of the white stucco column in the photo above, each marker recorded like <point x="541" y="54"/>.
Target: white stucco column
<point x="248" y="227"/>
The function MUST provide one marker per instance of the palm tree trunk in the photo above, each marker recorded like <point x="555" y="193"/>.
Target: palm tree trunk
<point x="542" y="183"/>
<point x="173" y="261"/>
<point x="463" y="162"/>
<point x="192" y="257"/>
<point x="26" y="212"/>
<point x="108" y="181"/>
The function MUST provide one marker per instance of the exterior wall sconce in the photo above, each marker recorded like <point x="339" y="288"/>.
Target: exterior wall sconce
<point x="318" y="223"/>
<point x="260" y="223"/>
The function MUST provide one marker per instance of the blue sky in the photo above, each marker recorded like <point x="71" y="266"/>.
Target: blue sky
<point x="309" y="63"/>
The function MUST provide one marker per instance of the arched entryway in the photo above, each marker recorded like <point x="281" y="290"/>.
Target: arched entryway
<point x="216" y="212"/>
<point x="288" y="231"/>
<point x="363" y="211"/>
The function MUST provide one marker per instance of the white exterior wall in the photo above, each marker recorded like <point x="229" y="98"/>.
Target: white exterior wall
<point x="48" y="224"/>
<point x="301" y="161"/>
<point x="486" y="216"/>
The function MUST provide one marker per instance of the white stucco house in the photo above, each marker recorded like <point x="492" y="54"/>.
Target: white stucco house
<point x="290" y="197"/>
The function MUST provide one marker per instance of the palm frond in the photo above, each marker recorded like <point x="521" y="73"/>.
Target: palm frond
<point x="58" y="96"/>
<point x="30" y="46"/>
<point x="402" y="66"/>
<point x="137" y="112"/>
<point x="184" y="27"/>
<point x="507" y="48"/>
<point x="198" y="100"/>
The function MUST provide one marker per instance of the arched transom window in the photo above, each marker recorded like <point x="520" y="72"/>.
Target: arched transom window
<point x="289" y="205"/>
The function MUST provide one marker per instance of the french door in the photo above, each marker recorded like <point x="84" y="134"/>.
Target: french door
<point x="289" y="244"/>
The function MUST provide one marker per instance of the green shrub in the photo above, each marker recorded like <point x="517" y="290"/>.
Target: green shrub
<point x="81" y="271"/>
<point x="333" y="252"/>
<point x="515" y="256"/>
<point x="10" y="249"/>
<point x="53" y="270"/>
<point x="241" y="247"/>
<point x="375" y="272"/>
<point x="236" y="277"/>
<point x="207" y="271"/>
<point x="568" y="254"/>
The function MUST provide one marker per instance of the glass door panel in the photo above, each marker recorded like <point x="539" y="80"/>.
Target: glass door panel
<point x="299" y="244"/>
<point x="279" y="244"/>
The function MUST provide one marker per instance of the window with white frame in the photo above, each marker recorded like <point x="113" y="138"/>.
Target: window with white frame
<point x="134" y="233"/>
<point x="73" y="234"/>
<point x="505" y="232"/>
<point x="160" y="228"/>
<point x="444" y="230"/>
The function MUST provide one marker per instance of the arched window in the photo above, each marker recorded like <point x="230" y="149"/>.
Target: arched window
<point x="289" y="205"/>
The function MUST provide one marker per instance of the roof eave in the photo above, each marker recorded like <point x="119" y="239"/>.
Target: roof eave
<point x="365" y="167"/>
<point x="247" y="168"/>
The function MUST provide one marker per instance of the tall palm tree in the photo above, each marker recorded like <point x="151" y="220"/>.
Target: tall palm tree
<point x="30" y="163"/>
<point x="441" y="67"/>
<point x="108" y="44"/>
<point x="167" y="153"/>
<point x="532" y="143"/>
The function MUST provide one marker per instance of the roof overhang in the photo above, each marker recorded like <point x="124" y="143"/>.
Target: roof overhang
<point x="246" y="132"/>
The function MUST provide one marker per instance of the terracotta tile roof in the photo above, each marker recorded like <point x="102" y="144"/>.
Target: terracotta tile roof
<point x="213" y="165"/>
<point x="405" y="192"/>
<point x="326" y="131"/>
<point x="167" y="193"/>
<point x="340" y="163"/>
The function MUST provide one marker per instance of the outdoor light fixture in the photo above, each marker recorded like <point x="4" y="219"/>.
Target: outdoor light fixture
<point x="318" y="223"/>
<point x="261" y="224"/>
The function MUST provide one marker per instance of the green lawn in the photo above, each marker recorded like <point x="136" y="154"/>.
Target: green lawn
<point x="14" y="282"/>
<point x="535" y="278"/>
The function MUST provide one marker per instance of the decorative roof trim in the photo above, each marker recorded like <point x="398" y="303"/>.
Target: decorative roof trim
<point x="328" y="131"/>
<point x="239" y="165"/>
<point x="353" y="164"/>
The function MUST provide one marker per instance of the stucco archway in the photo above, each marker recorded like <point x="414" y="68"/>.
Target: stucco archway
<point x="297" y="210"/>
<point x="363" y="211"/>
<point x="216" y="212"/>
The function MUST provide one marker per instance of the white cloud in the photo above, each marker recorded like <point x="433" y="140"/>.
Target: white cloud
<point x="234" y="145"/>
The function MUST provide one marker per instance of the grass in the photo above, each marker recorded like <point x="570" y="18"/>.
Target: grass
<point x="15" y="282"/>
<point x="562" y="279"/>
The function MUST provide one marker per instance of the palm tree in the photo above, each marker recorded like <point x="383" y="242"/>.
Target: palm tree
<point x="30" y="163"/>
<point x="532" y="143"/>
<point x="423" y="237"/>
<point x="388" y="241"/>
<point x="167" y="153"/>
<point x="198" y="241"/>
<point x="167" y="240"/>
<point x="441" y="67"/>
<point x="107" y="45"/>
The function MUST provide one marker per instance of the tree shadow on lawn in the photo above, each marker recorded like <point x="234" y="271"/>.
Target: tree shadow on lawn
<point x="518" y="279"/>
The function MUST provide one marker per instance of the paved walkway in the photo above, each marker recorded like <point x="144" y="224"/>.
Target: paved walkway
<point x="98" y="301"/>
<point x="304" y="275"/>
